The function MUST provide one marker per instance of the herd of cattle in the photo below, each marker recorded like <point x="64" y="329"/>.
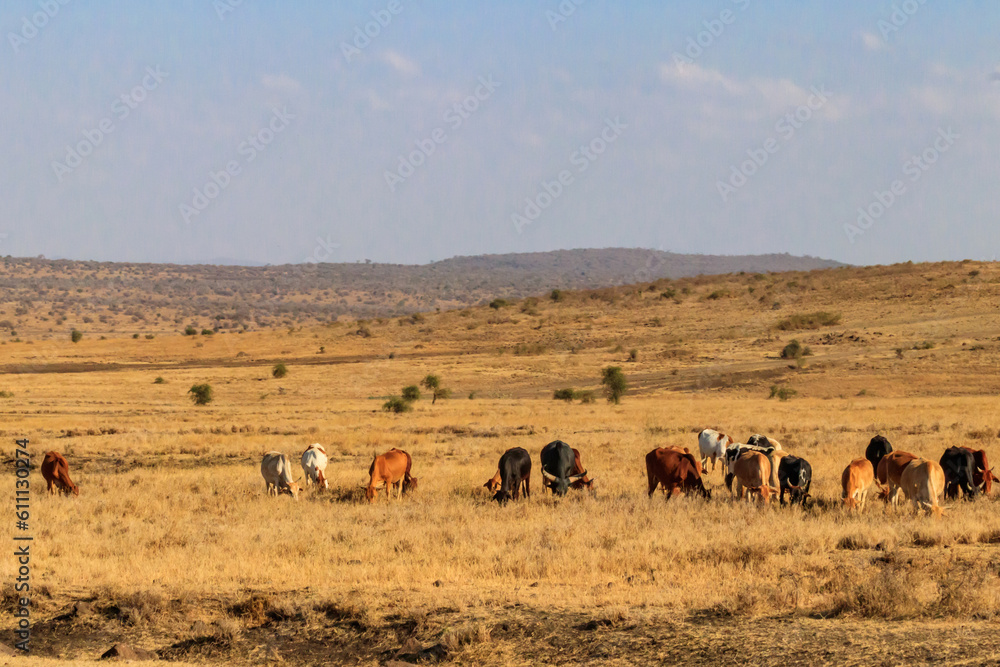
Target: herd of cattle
<point x="756" y="470"/>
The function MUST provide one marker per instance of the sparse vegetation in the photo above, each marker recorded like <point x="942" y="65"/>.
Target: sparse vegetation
<point x="614" y="383"/>
<point x="76" y="336"/>
<point x="201" y="394"/>
<point x="411" y="393"/>
<point x="279" y="371"/>
<point x="782" y="392"/>
<point x="159" y="380"/>
<point x="795" y="350"/>
<point x="808" y="321"/>
<point x="432" y="383"/>
<point x="564" y="395"/>
<point x="397" y="404"/>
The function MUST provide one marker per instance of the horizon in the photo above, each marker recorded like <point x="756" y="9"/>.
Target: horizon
<point x="409" y="134"/>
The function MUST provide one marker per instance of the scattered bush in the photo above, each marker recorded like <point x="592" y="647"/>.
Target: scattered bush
<point x="633" y="355"/>
<point x="201" y="394"/>
<point x="432" y="383"/>
<point x="135" y="335"/>
<point x="795" y="350"/>
<point x="497" y="304"/>
<point x="279" y="371"/>
<point x="6" y="394"/>
<point x="809" y="321"/>
<point x="159" y="380"/>
<point x="411" y="393"/>
<point x="190" y="331"/>
<point x="926" y="345"/>
<point x="783" y="393"/>
<point x="207" y="332"/>
<point x="397" y="405"/>
<point x="76" y="336"/>
<point x="564" y="395"/>
<point x="614" y="383"/>
<point x="556" y="295"/>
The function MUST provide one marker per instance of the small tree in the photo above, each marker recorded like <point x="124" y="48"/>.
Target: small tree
<point x="279" y="371"/>
<point x="76" y="336"/>
<point x="564" y="395"/>
<point x="201" y="394"/>
<point x="432" y="383"/>
<point x="614" y="383"/>
<point x="411" y="393"/>
<point x="397" y="405"/>
<point x="190" y="331"/>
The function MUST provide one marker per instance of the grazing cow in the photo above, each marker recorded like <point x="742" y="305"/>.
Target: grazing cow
<point x="493" y="483"/>
<point x="557" y="467"/>
<point x="712" y="445"/>
<point x="677" y="471"/>
<point x="877" y="448"/>
<point x="55" y="471"/>
<point x="795" y="477"/>
<point x="959" y="466"/>
<point x="758" y="440"/>
<point x="277" y="473"/>
<point x="393" y="470"/>
<point x="733" y="452"/>
<point x="858" y="477"/>
<point x="890" y="472"/>
<point x="982" y="475"/>
<point x="752" y="470"/>
<point x="923" y="482"/>
<point x="314" y="465"/>
<point x="515" y="470"/>
<point x="584" y="482"/>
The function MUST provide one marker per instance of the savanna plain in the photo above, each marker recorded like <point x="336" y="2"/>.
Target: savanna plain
<point x="173" y="546"/>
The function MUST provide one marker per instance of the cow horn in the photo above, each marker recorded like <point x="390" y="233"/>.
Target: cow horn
<point x="580" y="476"/>
<point x="547" y="475"/>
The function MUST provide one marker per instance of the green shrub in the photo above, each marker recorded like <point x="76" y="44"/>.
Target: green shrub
<point x="564" y="395"/>
<point x="159" y="380"/>
<point x="795" y="350"/>
<point x="135" y="335"/>
<point x="926" y="345"/>
<point x="614" y="383"/>
<point x="411" y="393"/>
<point x="783" y="393"/>
<point x="207" y="332"/>
<point x="432" y="383"/>
<point x="76" y="336"/>
<point x="397" y="405"/>
<point x="201" y="394"/>
<point x="279" y="371"/>
<point x="190" y="331"/>
<point x="497" y="304"/>
<point x="556" y="295"/>
<point x="633" y="355"/>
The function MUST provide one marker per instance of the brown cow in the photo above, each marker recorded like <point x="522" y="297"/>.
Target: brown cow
<point x="857" y="478"/>
<point x="982" y="476"/>
<point x="393" y="470"/>
<point x="584" y="482"/>
<point x="752" y="472"/>
<point x="55" y="470"/>
<point x="677" y="471"/>
<point x="923" y="483"/>
<point x="890" y="472"/>
<point x="494" y="482"/>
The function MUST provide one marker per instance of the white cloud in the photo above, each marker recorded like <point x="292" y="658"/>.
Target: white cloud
<point x="873" y="42"/>
<point x="400" y="63"/>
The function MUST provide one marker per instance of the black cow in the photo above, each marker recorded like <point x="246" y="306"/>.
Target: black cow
<point x="959" y="465"/>
<point x="795" y="477"/>
<point x="515" y="468"/>
<point x="877" y="449"/>
<point x="557" y="467"/>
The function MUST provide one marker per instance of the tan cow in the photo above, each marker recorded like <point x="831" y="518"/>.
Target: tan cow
<point x="923" y="483"/>
<point x="277" y="474"/>
<point x="55" y="471"/>
<point x="391" y="469"/>
<point x="857" y="478"/>
<point x="751" y="471"/>
<point x="890" y="472"/>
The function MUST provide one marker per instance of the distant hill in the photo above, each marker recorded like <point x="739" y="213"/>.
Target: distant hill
<point x="52" y="295"/>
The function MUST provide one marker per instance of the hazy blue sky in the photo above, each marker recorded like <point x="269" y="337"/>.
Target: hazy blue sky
<point x="120" y="120"/>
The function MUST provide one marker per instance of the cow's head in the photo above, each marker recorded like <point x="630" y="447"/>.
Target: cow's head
<point x="988" y="480"/>
<point x="371" y="493"/>
<point x="409" y="484"/>
<point x="493" y="484"/>
<point x="321" y="480"/>
<point x="560" y="485"/>
<point x="583" y="484"/>
<point x="502" y="496"/>
<point x="291" y="488"/>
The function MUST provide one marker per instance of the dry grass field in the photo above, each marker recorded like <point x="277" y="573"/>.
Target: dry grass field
<point x="173" y="546"/>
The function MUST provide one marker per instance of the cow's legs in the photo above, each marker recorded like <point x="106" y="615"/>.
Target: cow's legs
<point x="527" y="486"/>
<point x="653" y="481"/>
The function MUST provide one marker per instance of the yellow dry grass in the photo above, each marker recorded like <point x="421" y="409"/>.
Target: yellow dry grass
<point x="172" y="504"/>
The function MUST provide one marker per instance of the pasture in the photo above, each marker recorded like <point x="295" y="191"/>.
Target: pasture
<point x="173" y="546"/>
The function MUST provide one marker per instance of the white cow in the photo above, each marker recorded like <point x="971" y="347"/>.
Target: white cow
<point x="314" y="465"/>
<point x="758" y="440"/>
<point x="712" y="445"/>
<point x="277" y="473"/>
